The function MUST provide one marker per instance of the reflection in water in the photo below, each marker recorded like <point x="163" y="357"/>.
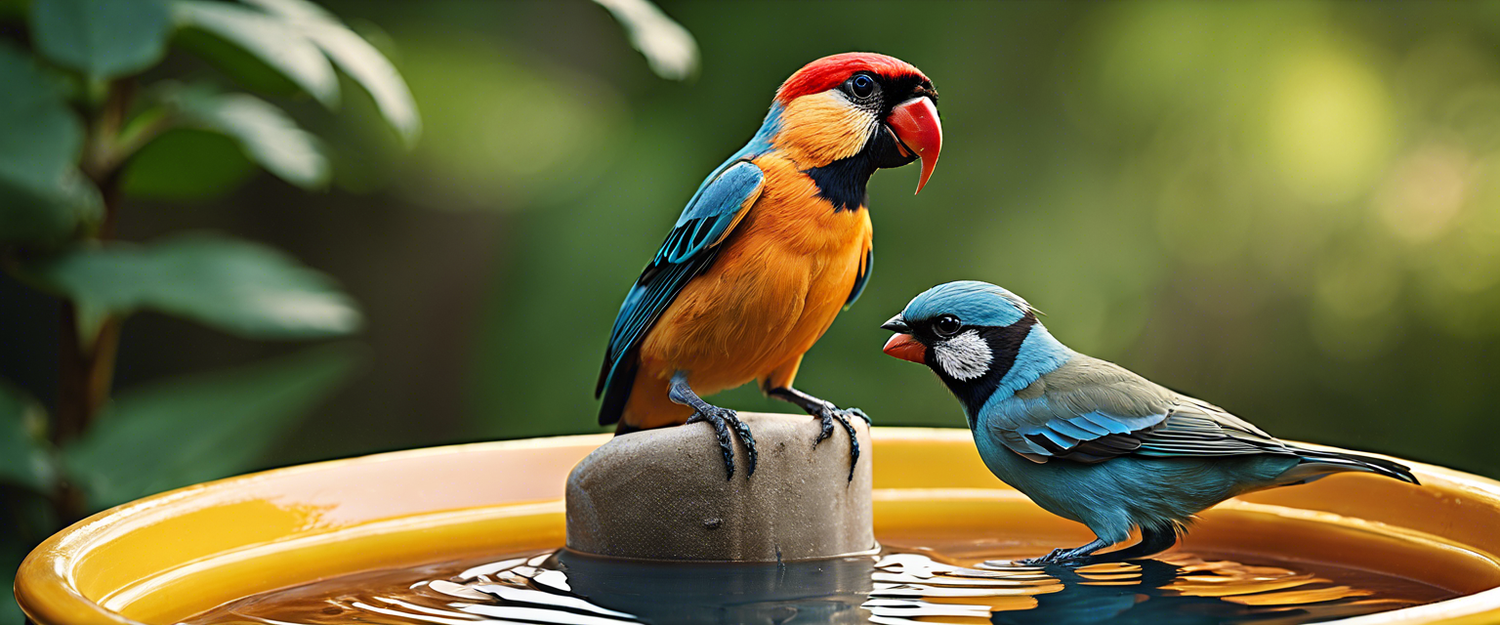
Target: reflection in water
<point x="893" y="587"/>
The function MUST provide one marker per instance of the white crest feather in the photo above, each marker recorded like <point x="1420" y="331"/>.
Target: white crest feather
<point x="965" y="357"/>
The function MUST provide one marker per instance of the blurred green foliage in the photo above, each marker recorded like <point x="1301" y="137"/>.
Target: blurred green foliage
<point x="76" y="112"/>
<point x="218" y="424"/>
<point x="235" y="286"/>
<point x="1290" y="209"/>
<point x="109" y="101"/>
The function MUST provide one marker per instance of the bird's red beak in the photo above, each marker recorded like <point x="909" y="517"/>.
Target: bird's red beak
<point x="906" y="347"/>
<point x="917" y="127"/>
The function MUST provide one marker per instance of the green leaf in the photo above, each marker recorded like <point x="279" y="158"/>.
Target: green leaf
<point x="33" y="213"/>
<point x="42" y="194"/>
<point x="668" y="47"/>
<point x="269" y="41"/>
<point x="295" y="10"/>
<point x="240" y="287"/>
<point x="187" y="164"/>
<point x="200" y="427"/>
<point x="356" y="57"/>
<point x="25" y="454"/>
<point x="266" y="133"/>
<point x="101" y="38"/>
<point x="42" y="136"/>
<point x="372" y="71"/>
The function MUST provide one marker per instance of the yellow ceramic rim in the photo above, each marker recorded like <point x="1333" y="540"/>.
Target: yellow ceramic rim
<point x="50" y="584"/>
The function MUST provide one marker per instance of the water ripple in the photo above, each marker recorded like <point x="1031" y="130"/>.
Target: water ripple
<point x="894" y="587"/>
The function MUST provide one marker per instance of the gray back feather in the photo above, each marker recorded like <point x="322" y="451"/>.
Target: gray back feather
<point x="1090" y="410"/>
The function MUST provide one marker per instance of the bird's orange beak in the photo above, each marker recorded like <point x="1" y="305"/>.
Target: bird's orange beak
<point x="906" y="347"/>
<point x="920" y="132"/>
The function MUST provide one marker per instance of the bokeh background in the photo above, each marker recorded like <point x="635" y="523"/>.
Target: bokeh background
<point x="1291" y="209"/>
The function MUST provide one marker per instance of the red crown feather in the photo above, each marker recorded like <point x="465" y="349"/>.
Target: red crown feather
<point x="829" y="71"/>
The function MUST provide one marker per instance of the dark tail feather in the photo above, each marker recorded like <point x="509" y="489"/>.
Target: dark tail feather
<point x="1317" y="463"/>
<point x="617" y="388"/>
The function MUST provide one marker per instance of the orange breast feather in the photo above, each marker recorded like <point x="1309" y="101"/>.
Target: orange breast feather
<point x="782" y="276"/>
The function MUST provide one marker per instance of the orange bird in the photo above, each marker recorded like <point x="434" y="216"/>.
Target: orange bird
<point x="775" y="242"/>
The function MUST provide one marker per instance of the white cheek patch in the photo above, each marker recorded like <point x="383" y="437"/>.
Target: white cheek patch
<point x="965" y="357"/>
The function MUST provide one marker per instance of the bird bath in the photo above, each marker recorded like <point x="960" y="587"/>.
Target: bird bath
<point x="452" y="535"/>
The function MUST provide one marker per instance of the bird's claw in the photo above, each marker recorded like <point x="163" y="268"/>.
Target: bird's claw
<point x="723" y="420"/>
<point x="830" y="414"/>
<point x="826" y="416"/>
<point x="1057" y="556"/>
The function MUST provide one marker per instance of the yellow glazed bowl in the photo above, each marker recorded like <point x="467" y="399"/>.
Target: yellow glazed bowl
<point x="168" y="557"/>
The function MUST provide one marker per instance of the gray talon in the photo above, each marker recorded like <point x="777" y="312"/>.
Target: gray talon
<point x="751" y="456"/>
<point x="843" y="419"/>
<point x="826" y="416"/>
<point x="723" y="419"/>
<point x="827" y="413"/>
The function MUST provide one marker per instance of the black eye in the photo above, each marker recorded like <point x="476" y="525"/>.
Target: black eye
<point x="946" y="325"/>
<point x="861" y="86"/>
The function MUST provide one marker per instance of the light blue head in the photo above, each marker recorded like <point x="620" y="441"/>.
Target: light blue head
<point x="973" y="302"/>
<point x="980" y="339"/>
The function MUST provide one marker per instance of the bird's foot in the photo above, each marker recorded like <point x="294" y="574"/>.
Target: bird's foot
<point x="1076" y="555"/>
<point x="830" y="414"/>
<point x="1055" y="557"/>
<point x="723" y="420"/>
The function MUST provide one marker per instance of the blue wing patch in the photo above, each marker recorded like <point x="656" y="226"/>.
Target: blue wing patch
<point x="691" y="246"/>
<point x="1183" y="431"/>
<point x="1090" y="437"/>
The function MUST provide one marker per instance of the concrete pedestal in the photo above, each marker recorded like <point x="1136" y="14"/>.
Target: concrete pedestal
<point x="662" y="495"/>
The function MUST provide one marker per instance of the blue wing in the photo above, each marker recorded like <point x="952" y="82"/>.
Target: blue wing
<point x="689" y="249"/>
<point x="1096" y="411"/>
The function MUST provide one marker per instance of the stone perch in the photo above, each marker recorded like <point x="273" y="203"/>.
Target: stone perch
<point x="661" y="495"/>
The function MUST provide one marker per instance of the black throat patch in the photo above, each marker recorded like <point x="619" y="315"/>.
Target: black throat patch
<point x="843" y="181"/>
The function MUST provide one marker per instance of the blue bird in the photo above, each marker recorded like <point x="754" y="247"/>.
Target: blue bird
<point x="1087" y="439"/>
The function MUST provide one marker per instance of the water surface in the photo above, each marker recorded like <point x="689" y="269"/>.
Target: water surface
<point x="898" y="585"/>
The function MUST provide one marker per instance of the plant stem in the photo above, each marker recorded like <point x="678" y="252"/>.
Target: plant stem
<point x="87" y="363"/>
